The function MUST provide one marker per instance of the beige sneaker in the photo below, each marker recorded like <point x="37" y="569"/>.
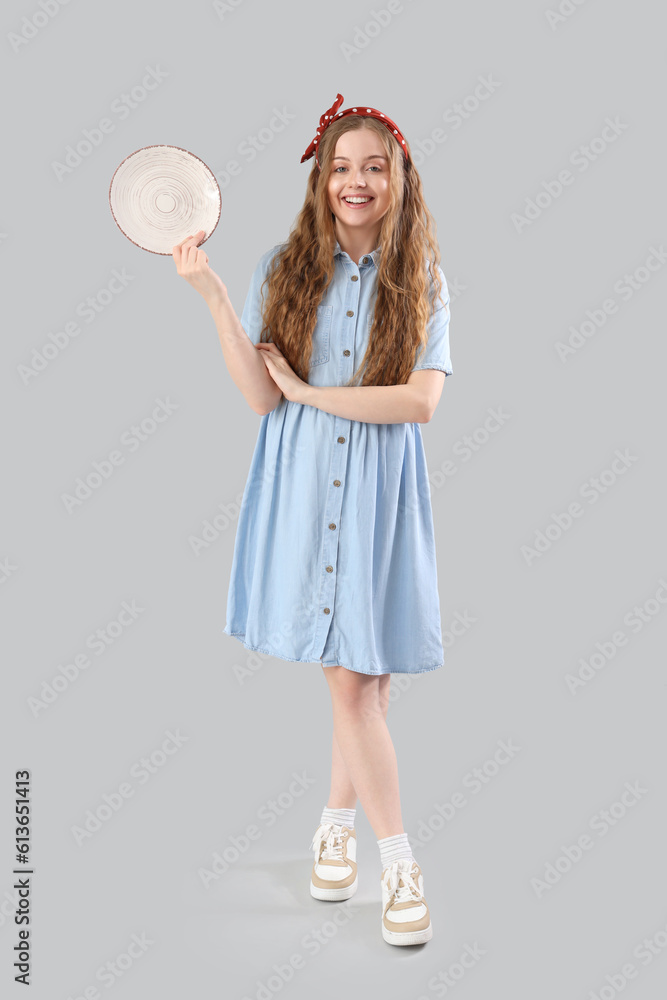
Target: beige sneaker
<point x="405" y="915"/>
<point x="334" y="874"/>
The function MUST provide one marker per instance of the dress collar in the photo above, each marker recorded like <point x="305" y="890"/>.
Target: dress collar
<point x="374" y="255"/>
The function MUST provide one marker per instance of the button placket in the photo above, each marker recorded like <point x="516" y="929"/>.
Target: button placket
<point x="351" y="313"/>
<point x="337" y="470"/>
<point x="331" y="519"/>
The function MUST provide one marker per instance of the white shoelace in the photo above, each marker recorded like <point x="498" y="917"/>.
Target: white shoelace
<point x="408" y="890"/>
<point x="333" y="842"/>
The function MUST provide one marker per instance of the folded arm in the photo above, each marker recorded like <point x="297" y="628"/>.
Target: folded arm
<point x="413" y="402"/>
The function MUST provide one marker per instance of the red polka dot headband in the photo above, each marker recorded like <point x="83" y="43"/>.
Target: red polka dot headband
<point x="333" y="113"/>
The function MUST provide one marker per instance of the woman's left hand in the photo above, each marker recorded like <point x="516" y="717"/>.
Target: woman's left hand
<point x="282" y="373"/>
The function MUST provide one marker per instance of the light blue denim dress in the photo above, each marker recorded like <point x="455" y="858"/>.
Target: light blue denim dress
<point x="335" y="558"/>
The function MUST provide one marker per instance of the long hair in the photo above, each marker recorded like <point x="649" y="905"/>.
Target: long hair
<point x="408" y="282"/>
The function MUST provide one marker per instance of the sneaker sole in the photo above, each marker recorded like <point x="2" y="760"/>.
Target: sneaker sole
<point x="407" y="937"/>
<point x="317" y="892"/>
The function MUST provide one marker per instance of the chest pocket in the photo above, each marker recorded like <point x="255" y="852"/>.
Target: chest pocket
<point x="322" y="336"/>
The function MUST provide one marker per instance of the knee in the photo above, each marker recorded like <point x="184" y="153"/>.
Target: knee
<point x="354" y="694"/>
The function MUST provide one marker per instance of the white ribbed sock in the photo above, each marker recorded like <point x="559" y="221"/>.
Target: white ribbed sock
<point x="393" y="848"/>
<point x="341" y="817"/>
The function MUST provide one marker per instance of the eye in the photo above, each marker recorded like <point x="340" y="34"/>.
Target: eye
<point x="372" y="166"/>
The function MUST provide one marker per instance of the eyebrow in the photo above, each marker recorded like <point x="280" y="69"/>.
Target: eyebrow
<point x="375" y="156"/>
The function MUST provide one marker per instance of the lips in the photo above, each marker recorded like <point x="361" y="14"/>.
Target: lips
<point x="358" y="204"/>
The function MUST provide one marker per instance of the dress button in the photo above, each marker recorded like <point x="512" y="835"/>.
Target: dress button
<point x="336" y="482"/>
<point x="364" y="260"/>
<point x="341" y="440"/>
<point x="346" y="353"/>
<point x="327" y="611"/>
<point x="355" y="277"/>
<point x="329" y="569"/>
<point x="350" y="312"/>
<point x="332" y="526"/>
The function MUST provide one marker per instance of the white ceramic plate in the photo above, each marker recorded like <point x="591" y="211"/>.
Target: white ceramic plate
<point x="159" y="195"/>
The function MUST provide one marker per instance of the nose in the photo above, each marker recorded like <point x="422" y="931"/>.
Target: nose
<point x="358" y="181"/>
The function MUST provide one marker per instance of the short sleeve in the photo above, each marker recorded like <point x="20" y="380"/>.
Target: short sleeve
<point x="251" y="317"/>
<point x="436" y="353"/>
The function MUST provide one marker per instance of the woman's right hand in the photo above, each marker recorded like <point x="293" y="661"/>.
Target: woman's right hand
<point x="192" y="264"/>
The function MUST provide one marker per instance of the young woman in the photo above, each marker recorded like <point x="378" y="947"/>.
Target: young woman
<point x="343" y="349"/>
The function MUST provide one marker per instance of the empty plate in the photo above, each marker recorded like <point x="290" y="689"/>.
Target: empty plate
<point x="159" y="195"/>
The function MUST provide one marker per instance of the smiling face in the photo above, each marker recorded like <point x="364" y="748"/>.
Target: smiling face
<point x="360" y="172"/>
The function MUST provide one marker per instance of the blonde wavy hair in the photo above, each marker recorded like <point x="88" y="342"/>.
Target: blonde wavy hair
<point x="302" y="269"/>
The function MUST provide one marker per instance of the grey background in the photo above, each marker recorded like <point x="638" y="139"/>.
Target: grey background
<point x="67" y="574"/>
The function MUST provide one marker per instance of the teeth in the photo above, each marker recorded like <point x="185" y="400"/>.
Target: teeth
<point x="357" y="201"/>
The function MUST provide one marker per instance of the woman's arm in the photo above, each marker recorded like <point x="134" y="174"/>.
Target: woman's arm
<point x="414" y="402"/>
<point x="244" y="362"/>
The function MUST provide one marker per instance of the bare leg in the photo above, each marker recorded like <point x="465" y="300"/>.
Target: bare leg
<point x="342" y="794"/>
<point x="360" y="703"/>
